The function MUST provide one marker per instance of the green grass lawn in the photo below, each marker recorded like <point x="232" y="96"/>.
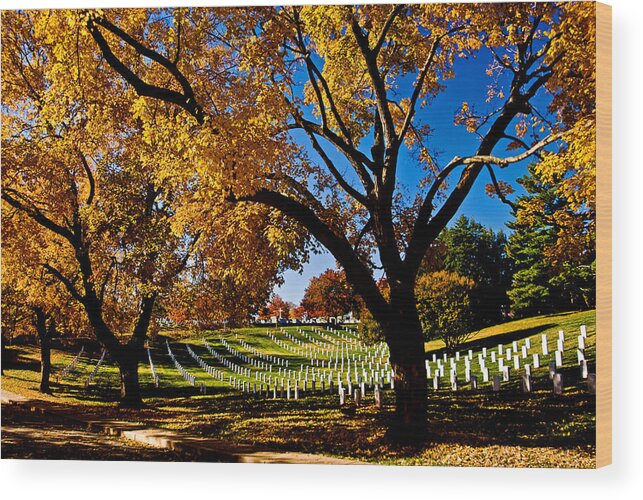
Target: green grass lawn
<point x="481" y="428"/>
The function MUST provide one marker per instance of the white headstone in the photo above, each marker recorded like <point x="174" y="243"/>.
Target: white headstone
<point x="536" y="359"/>
<point x="496" y="383"/>
<point x="558" y="383"/>
<point x="524" y="351"/>
<point x="526" y="383"/>
<point x="583" y="330"/>
<point x="505" y="374"/>
<point x="516" y="363"/>
<point x="581" y="342"/>
<point x="559" y="359"/>
<point x="378" y="397"/>
<point x="583" y="369"/>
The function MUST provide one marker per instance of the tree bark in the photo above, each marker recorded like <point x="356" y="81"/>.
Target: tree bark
<point x="403" y="334"/>
<point x="44" y="337"/>
<point x="128" y="360"/>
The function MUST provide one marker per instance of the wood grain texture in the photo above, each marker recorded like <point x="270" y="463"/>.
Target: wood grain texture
<point x="604" y="234"/>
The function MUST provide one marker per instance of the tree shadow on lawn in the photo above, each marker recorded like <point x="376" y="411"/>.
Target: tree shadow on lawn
<point x="540" y="419"/>
<point x="19" y="358"/>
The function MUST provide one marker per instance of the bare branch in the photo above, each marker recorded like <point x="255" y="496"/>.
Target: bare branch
<point x="499" y="192"/>
<point x="504" y="162"/>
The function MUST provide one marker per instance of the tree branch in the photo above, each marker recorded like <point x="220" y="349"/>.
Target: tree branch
<point x="357" y="273"/>
<point x="377" y="81"/>
<point x="418" y="86"/>
<point x="186" y="100"/>
<point x="333" y="169"/>
<point x="387" y="26"/>
<point x="504" y="162"/>
<point x="499" y="192"/>
<point x="65" y="281"/>
<point x="8" y="194"/>
<point x="90" y="178"/>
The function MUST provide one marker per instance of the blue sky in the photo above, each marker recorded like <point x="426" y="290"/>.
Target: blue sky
<point x="470" y="85"/>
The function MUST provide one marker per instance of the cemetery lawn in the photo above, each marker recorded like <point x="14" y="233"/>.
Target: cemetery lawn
<point x="467" y="428"/>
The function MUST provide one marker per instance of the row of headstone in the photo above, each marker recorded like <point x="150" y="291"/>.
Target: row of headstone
<point x="248" y="359"/>
<point x="155" y="377"/>
<point x="191" y="379"/>
<point x="270" y="359"/>
<point x="234" y="367"/>
<point x="96" y="368"/>
<point x="212" y="371"/>
<point x="67" y="370"/>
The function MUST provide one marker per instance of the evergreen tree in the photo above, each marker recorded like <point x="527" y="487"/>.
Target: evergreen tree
<point x="478" y="253"/>
<point x="553" y="270"/>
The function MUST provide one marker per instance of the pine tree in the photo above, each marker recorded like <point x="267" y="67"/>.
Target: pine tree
<point x="550" y="274"/>
<point x="478" y="253"/>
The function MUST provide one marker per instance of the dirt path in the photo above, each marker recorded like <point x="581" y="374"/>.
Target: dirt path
<point x="30" y="435"/>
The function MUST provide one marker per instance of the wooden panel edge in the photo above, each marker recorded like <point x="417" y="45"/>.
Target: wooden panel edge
<point x="603" y="234"/>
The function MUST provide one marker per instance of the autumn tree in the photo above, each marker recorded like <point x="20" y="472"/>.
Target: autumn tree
<point x="241" y="258"/>
<point x="328" y="295"/>
<point x="33" y="301"/>
<point x="368" y="70"/>
<point x="445" y="307"/>
<point x="276" y="307"/>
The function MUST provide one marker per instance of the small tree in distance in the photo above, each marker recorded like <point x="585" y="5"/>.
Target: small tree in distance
<point x="444" y="304"/>
<point x="329" y="295"/>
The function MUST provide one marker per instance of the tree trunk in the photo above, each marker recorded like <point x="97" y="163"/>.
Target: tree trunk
<point x="44" y="336"/>
<point x="45" y="365"/>
<point x="128" y="359"/>
<point x="406" y="343"/>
